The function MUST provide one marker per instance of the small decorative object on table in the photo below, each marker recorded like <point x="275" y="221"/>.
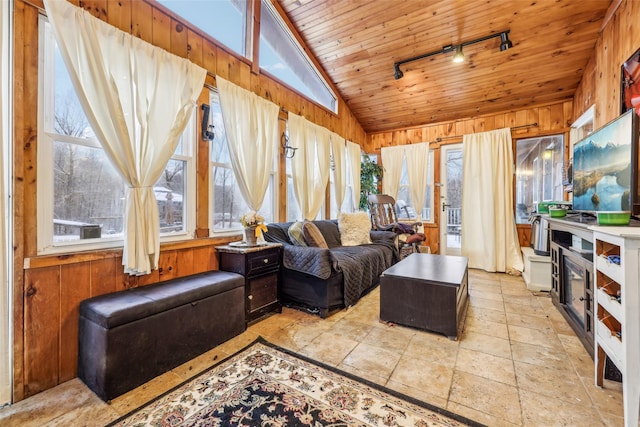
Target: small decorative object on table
<point x="254" y="226"/>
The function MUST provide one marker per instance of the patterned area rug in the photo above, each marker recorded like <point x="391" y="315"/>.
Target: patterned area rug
<point x="264" y="385"/>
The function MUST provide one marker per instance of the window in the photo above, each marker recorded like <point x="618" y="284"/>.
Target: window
<point x="80" y="194"/>
<point x="404" y="204"/>
<point x="293" y="210"/>
<point x="539" y="173"/>
<point x="227" y="202"/>
<point x="347" y="203"/>
<point x="284" y="58"/>
<point x="224" y="20"/>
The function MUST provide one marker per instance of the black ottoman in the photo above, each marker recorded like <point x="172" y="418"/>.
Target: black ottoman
<point x="127" y="338"/>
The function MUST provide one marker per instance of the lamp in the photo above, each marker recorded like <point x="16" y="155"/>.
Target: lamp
<point x="459" y="56"/>
<point x="505" y="44"/>
<point x="289" y="151"/>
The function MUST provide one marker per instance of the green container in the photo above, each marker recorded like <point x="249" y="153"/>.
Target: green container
<point x="614" y="217"/>
<point x="557" y="212"/>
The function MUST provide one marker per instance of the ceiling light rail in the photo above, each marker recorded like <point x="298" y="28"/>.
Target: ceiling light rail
<point x="505" y="44"/>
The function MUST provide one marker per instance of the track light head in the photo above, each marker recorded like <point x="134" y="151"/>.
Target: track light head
<point x="459" y="56"/>
<point x="398" y="73"/>
<point x="505" y="43"/>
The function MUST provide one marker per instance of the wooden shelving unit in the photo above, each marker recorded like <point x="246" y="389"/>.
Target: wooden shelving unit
<point x="617" y="303"/>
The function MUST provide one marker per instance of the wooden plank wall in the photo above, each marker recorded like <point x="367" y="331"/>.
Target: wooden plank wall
<point x="551" y="119"/>
<point x="48" y="289"/>
<point x="600" y="83"/>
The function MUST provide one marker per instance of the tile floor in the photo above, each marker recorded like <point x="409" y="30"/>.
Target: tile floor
<point x="517" y="363"/>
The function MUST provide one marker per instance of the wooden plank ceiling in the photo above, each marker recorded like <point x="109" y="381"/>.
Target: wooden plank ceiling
<point x="358" y="41"/>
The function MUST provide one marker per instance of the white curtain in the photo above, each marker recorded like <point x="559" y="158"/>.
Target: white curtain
<point x="392" y="164"/>
<point x="310" y="164"/>
<point x="138" y="99"/>
<point x="5" y="126"/>
<point x="417" y="156"/>
<point x="354" y="157"/>
<point x="489" y="237"/>
<point x="251" y="123"/>
<point x="338" y="151"/>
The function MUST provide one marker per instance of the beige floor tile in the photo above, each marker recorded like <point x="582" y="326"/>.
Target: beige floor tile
<point x="352" y="329"/>
<point x="329" y="348"/>
<point x="54" y="403"/>
<point x="528" y="300"/>
<point x="608" y="399"/>
<point x="486" y="314"/>
<point x="487" y="327"/>
<point x="484" y="287"/>
<point x="419" y="394"/>
<point x="529" y="321"/>
<point x="544" y="338"/>
<point x="370" y="376"/>
<point x="484" y="281"/>
<point x="613" y="420"/>
<point x="390" y="337"/>
<point x="510" y="289"/>
<point x="146" y="392"/>
<point x="486" y="365"/>
<point x="566" y="387"/>
<point x="533" y="310"/>
<point x="366" y="357"/>
<point x="485" y="303"/>
<point x="484" y="395"/>
<point x="486" y="294"/>
<point x="541" y="410"/>
<point x="433" y="348"/>
<point x="200" y="363"/>
<point x="486" y="344"/>
<point x="540" y="356"/>
<point x="480" y="417"/>
<point x="422" y="375"/>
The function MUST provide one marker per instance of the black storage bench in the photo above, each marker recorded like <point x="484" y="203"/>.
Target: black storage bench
<point x="127" y="338"/>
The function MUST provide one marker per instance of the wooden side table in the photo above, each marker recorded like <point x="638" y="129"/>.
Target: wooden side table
<point x="260" y="266"/>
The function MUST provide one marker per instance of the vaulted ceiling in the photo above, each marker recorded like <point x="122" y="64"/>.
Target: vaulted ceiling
<point x="357" y="43"/>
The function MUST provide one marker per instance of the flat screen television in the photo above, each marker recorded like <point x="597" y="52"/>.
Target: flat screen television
<point x="605" y="168"/>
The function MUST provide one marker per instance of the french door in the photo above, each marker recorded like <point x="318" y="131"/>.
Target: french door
<point x="450" y="199"/>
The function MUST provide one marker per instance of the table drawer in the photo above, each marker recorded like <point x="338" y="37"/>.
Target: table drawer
<point x="262" y="262"/>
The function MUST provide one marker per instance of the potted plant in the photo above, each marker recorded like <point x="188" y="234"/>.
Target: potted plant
<point x="370" y="174"/>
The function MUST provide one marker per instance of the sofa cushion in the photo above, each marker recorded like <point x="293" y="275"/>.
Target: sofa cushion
<point x="295" y="234"/>
<point x="312" y="235"/>
<point x="354" y="228"/>
<point x="330" y="232"/>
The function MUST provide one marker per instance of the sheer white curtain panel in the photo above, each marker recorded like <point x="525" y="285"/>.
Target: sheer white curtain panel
<point x="417" y="156"/>
<point x="392" y="163"/>
<point x="138" y="99"/>
<point x="489" y="237"/>
<point x="310" y="165"/>
<point x="338" y="151"/>
<point x="251" y="123"/>
<point x="354" y="157"/>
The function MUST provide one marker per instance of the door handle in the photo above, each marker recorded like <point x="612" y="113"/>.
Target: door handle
<point x="444" y="205"/>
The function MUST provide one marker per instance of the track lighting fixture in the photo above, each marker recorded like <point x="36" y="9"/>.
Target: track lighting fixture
<point x="459" y="56"/>
<point x="505" y="44"/>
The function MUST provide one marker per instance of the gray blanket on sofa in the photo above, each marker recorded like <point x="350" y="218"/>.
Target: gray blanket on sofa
<point x="360" y="265"/>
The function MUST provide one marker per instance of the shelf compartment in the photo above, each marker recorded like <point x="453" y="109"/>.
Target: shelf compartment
<point x="614" y="271"/>
<point x="610" y="344"/>
<point x="606" y="248"/>
<point x="612" y="306"/>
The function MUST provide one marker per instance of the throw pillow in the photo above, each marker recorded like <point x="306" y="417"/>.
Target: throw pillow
<point x="312" y="235"/>
<point x="295" y="234"/>
<point x="354" y="228"/>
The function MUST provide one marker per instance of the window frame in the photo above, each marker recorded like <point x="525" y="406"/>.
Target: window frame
<point x="45" y="183"/>
<point x="274" y="179"/>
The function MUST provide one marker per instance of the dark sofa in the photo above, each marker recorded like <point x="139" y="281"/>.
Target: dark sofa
<point x="322" y="280"/>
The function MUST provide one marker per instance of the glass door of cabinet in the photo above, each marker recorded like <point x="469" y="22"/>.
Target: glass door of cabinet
<point x="451" y="199"/>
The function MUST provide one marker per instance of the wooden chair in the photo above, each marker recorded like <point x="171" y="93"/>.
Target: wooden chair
<point x="382" y="209"/>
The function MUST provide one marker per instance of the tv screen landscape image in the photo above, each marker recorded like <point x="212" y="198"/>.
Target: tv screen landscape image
<point x="605" y="167"/>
